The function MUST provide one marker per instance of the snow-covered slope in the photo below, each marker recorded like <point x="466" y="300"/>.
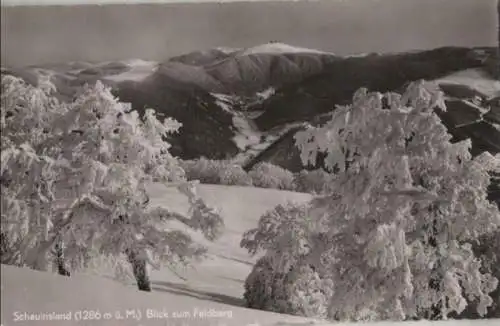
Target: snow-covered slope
<point x="277" y="87"/>
<point x="241" y="207"/>
<point x="139" y="70"/>
<point x="475" y="79"/>
<point x="248" y="138"/>
<point x="210" y="295"/>
<point x="216" y="282"/>
<point x="280" y="48"/>
<point x="254" y="69"/>
<point x="192" y="75"/>
<point x="106" y="303"/>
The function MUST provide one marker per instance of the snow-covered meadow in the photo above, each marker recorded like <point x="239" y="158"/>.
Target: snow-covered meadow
<point x="107" y="303"/>
<point x="210" y="295"/>
<point x="215" y="283"/>
<point x="475" y="79"/>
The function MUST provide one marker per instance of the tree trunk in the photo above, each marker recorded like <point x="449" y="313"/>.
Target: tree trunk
<point x="60" y="261"/>
<point x="139" y="267"/>
<point x="435" y="283"/>
<point x="498" y="45"/>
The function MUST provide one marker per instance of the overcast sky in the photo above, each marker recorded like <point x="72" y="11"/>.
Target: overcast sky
<point x="70" y="2"/>
<point x="41" y="34"/>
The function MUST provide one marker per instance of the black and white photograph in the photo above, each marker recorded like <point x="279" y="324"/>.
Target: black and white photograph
<point x="250" y="163"/>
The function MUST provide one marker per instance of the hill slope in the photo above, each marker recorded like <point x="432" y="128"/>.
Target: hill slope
<point x="182" y="87"/>
<point x="209" y="296"/>
<point x="338" y="81"/>
<point x="271" y="86"/>
<point x="26" y="291"/>
<point x="241" y="208"/>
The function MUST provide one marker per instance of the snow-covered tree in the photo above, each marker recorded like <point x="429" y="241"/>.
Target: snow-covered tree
<point x="26" y="116"/>
<point x="74" y="177"/>
<point x="487" y="250"/>
<point x="394" y="238"/>
<point x="316" y="181"/>
<point x="267" y="175"/>
<point x="222" y="172"/>
<point x="283" y="280"/>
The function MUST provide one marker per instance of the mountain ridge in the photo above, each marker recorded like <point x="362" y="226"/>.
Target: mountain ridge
<point x="281" y="86"/>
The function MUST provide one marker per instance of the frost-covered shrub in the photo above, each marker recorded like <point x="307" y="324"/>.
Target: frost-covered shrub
<point x="285" y="228"/>
<point x="284" y="280"/>
<point x="316" y="181"/>
<point x="488" y="250"/>
<point x="216" y="172"/>
<point x="309" y="292"/>
<point x="202" y="169"/>
<point x="298" y="291"/>
<point x="234" y="175"/>
<point x="394" y="239"/>
<point x="267" y="175"/>
<point x="265" y="288"/>
<point x="74" y="178"/>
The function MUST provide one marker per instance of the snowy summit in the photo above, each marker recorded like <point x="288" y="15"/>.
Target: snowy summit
<point x="280" y="48"/>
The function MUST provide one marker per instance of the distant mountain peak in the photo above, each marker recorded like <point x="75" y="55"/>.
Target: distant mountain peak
<point x="280" y="48"/>
<point x="228" y="50"/>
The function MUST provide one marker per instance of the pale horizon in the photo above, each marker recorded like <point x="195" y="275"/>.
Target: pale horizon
<point x="32" y="35"/>
<point x="106" y="2"/>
